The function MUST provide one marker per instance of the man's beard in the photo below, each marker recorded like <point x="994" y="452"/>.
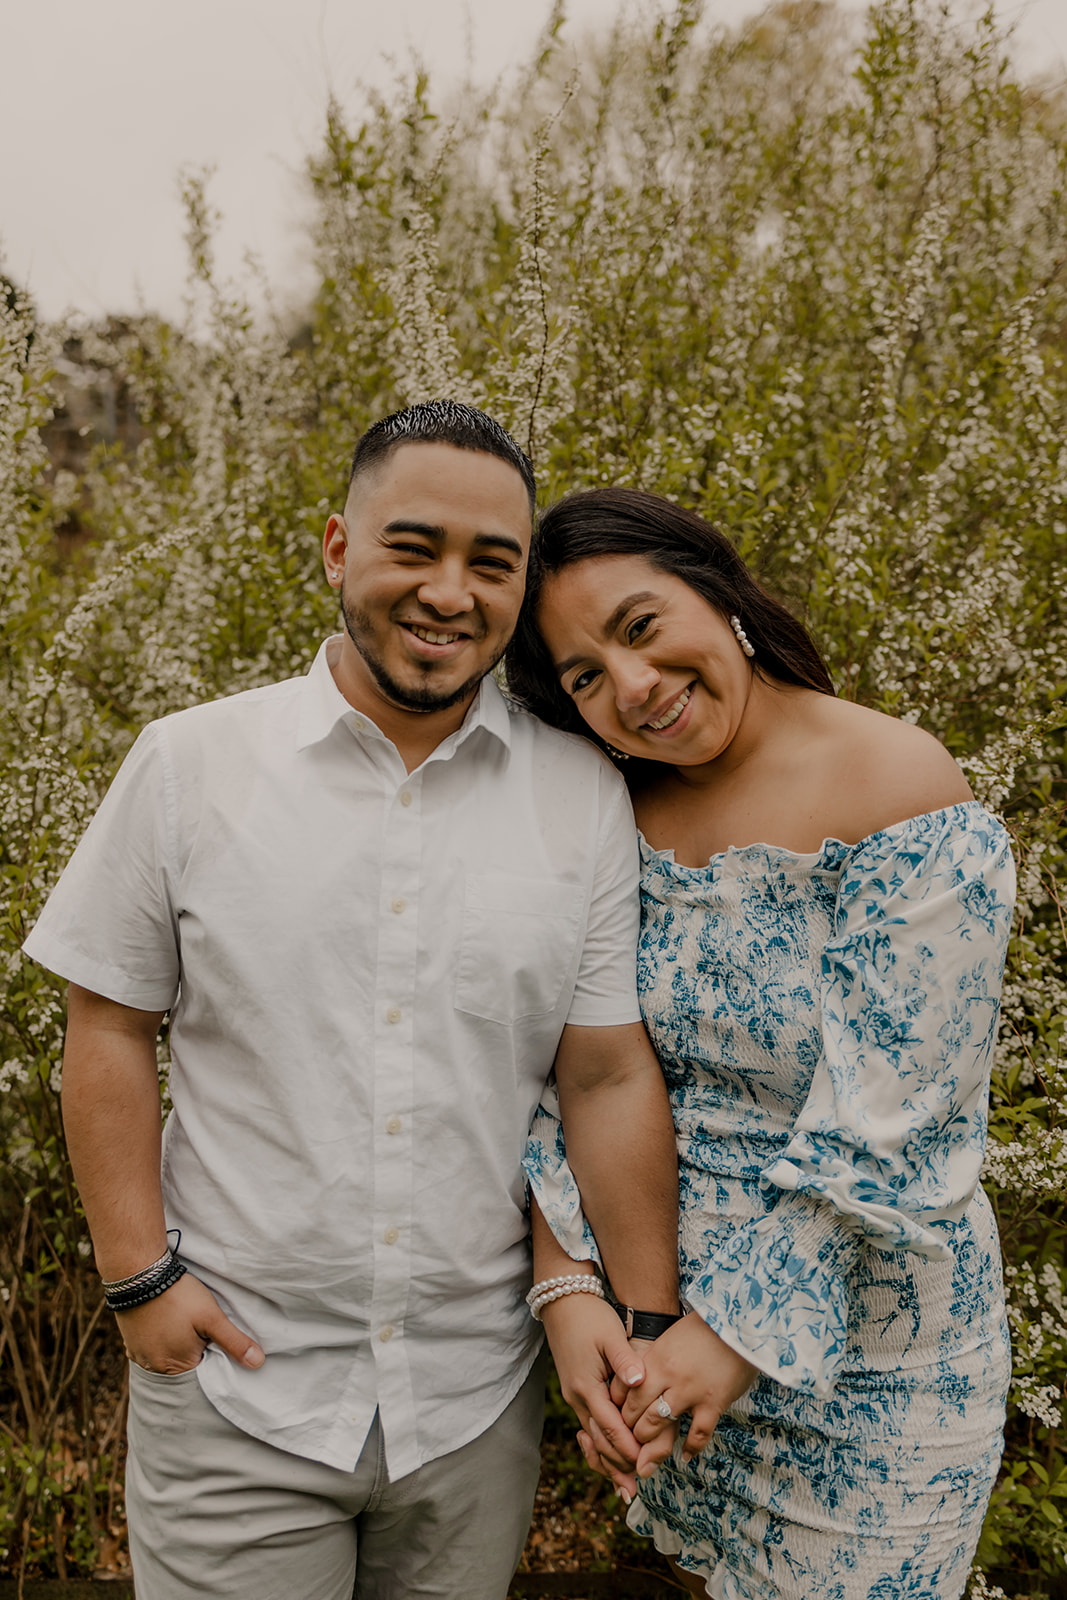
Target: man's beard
<point x="358" y="628"/>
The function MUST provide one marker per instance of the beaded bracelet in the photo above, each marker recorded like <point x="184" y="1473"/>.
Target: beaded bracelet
<point x="140" y="1287"/>
<point x="557" y="1283"/>
<point x="127" y="1299"/>
<point x="542" y="1294"/>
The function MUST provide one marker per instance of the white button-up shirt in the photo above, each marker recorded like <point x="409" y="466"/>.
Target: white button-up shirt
<point x="368" y="972"/>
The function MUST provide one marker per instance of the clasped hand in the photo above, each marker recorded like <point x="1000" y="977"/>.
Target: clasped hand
<point x="590" y="1347"/>
<point x="615" y="1387"/>
<point x="688" y="1369"/>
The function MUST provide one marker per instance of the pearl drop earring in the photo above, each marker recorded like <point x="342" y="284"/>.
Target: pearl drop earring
<point x="742" y="636"/>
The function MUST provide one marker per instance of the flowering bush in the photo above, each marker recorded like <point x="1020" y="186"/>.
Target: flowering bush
<point x="808" y="282"/>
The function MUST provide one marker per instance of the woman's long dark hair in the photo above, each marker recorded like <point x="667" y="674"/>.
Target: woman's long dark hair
<point x="626" y="522"/>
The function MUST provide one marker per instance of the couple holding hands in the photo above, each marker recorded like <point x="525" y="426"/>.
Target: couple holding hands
<point x="414" y="953"/>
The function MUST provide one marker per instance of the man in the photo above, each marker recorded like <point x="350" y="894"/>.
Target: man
<point x="378" y="904"/>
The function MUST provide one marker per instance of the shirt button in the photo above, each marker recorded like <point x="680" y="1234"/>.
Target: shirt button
<point x="399" y="905"/>
<point x="394" y="1125"/>
<point x="393" y="1014"/>
<point x="391" y="1235"/>
<point x="385" y="1335"/>
<point x="405" y="797"/>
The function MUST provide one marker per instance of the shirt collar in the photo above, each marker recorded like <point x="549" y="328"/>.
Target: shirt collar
<point x="322" y="706"/>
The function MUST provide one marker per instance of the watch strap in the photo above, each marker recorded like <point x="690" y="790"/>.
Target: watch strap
<point x="646" y="1324"/>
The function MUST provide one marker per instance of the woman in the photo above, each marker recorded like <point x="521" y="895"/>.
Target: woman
<point x="825" y="914"/>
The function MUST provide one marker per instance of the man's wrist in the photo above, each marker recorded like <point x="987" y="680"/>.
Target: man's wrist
<point x="126" y="1294"/>
<point x="647" y="1325"/>
<point x="642" y="1324"/>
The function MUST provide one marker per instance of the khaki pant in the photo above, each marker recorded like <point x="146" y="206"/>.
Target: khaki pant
<point x="215" y="1512"/>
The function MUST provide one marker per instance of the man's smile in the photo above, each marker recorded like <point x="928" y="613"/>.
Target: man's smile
<point x="429" y="643"/>
<point x="434" y="637"/>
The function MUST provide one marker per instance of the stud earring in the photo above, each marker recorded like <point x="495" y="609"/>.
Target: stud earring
<point x="742" y="637"/>
<point x="617" y="755"/>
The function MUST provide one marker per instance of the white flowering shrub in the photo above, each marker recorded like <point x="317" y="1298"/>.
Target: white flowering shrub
<point x="809" y="280"/>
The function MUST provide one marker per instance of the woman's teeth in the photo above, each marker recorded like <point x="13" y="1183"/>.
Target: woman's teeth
<point x="674" y="713"/>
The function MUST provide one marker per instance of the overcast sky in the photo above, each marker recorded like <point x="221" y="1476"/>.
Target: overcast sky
<point x="102" y="102"/>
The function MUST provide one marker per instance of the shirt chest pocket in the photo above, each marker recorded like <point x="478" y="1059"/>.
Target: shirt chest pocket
<point x="518" y="945"/>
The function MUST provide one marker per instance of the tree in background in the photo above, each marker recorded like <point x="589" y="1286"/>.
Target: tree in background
<point x="809" y="283"/>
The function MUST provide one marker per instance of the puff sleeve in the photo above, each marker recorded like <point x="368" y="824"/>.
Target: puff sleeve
<point x="887" y="1148"/>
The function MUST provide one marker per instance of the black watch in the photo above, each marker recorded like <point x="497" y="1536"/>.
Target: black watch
<point x="646" y="1324"/>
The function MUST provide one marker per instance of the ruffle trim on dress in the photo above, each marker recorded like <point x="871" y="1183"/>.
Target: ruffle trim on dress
<point x="552" y="1182"/>
<point x="776" y="1293"/>
<point x="867" y="1204"/>
<point x="832" y="852"/>
<point x="700" y="1559"/>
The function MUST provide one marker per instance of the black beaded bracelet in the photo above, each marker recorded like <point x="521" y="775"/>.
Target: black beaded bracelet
<point x="150" y="1288"/>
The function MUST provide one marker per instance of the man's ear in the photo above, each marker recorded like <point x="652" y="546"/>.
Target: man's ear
<point x="334" y="550"/>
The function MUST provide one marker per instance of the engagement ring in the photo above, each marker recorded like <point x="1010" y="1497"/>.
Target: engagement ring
<point x="664" y="1409"/>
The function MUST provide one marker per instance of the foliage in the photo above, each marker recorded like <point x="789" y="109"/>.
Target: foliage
<point x="810" y="282"/>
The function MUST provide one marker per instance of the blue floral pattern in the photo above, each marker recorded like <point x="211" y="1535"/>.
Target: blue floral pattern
<point x="826" y="1024"/>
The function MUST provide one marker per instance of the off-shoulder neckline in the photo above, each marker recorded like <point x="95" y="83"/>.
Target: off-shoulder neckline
<point x="806" y="857"/>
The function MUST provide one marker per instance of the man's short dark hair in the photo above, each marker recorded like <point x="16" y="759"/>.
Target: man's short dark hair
<point x="442" y="422"/>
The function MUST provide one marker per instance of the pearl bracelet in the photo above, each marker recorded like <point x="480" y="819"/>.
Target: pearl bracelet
<point x="542" y="1294"/>
<point x="557" y="1283"/>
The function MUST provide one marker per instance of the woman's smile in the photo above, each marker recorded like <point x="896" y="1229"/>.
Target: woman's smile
<point x="673" y="713"/>
<point x="651" y="667"/>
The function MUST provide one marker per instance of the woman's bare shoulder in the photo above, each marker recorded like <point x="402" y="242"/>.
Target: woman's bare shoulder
<point x="883" y="771"/>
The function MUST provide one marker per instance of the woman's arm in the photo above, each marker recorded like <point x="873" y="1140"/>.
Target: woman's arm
<point x="886" y="1151"/>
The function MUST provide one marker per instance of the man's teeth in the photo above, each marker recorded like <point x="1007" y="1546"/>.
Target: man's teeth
<point x="434" y="638"/>
<point x="675" y="711"/>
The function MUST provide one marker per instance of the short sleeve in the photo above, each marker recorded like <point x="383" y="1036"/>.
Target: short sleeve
<point x="109" y="925"/>
<point x="605" y="991"/>
<point x="887" y="1148"/>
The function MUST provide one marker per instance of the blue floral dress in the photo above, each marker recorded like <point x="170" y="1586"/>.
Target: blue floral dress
<point x="826" y="1025"/>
